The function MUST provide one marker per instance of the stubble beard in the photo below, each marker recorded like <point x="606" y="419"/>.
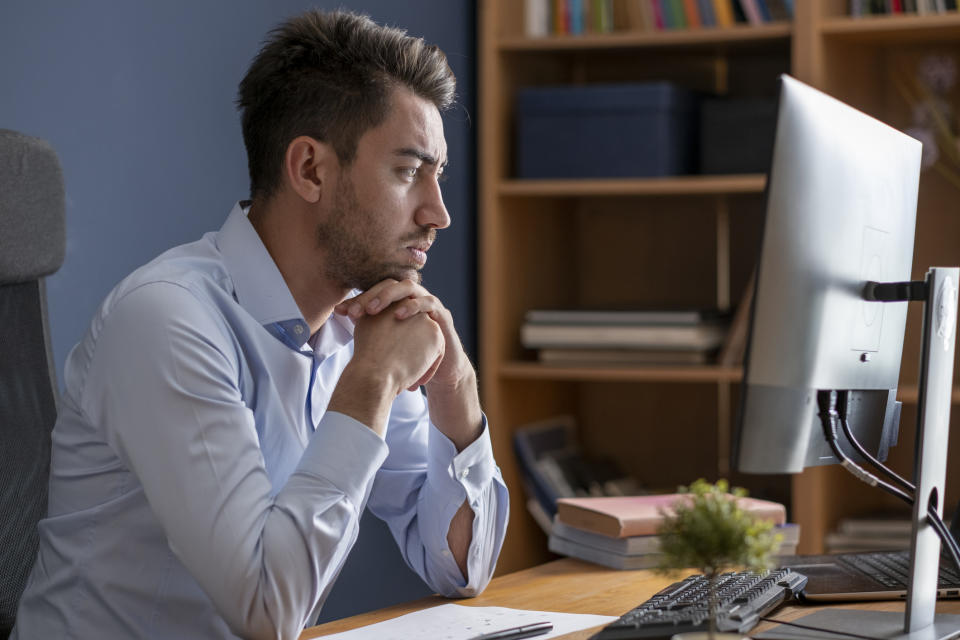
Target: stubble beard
<point x="349" y="238"/>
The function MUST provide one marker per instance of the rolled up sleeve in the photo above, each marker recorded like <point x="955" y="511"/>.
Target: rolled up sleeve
<point x="423" y="483"/>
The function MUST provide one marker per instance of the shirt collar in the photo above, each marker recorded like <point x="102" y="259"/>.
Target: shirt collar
<point x="258" y="284"/>
<point x="261" y="290"/>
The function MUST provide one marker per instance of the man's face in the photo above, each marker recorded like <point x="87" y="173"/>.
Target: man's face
<point x="387" y="204"/>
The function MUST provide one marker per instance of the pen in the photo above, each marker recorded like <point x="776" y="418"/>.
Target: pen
<point x="524" y="631"/>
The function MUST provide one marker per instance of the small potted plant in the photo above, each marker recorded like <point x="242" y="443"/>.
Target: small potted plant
<point x="712" y="534"/>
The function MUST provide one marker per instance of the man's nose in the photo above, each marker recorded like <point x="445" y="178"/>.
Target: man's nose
<point x="432" y="212"/>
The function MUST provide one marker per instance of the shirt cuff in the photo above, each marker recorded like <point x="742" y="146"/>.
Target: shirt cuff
<point x="346" y="453"/>
<point x="468" y="471"/>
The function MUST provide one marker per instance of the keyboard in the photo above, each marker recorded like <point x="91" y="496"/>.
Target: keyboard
<point x="742" y="598"/>
<point x="892" y="568"/>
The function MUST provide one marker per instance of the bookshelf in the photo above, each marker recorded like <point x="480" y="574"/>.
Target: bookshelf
<point x="685" y="241"/>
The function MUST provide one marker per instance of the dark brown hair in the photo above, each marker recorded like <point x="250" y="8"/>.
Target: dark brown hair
<point x="330" y="75"/>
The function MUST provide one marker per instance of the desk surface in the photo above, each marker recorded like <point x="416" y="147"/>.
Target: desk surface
<point x="572" y="586"/>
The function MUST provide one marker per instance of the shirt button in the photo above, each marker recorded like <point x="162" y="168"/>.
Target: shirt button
<point x="298" y="329"/>
<point x="464" y="474"/>
<point x="446" y="553"/>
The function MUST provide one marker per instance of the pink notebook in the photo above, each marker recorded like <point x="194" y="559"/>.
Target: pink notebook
<point x="623" y="516"/>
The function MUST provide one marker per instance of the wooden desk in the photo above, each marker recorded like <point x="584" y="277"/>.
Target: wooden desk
<point x="572" y="586"/>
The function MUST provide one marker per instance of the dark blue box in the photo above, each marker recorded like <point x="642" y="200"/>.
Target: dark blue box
<point x="736" y="134"/>
<point x="606" y="131"/>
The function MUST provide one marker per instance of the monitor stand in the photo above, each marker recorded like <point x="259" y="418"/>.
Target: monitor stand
<point x="920" y="621"/>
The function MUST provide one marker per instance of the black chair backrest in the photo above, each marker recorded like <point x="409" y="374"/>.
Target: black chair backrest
<point x="32" y="244"/>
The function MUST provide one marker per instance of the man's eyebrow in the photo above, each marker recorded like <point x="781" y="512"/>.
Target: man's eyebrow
<point x="422" y="156"/>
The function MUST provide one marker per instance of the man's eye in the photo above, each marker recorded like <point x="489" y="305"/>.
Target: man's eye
<point x="441" y="177"/>
<point x="409" y="173"/>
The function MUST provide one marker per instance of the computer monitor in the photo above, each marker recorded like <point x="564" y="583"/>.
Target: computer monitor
<point x="841" y="210"/>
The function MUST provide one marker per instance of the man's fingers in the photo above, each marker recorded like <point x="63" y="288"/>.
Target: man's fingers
<point x="428" y="304"/>
<point x="379" y="297"/>
<point x="426" y="377"/>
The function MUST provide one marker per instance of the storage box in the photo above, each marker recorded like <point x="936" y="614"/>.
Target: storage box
<point x="737" y="134"/>
<point x="606" y="131"/>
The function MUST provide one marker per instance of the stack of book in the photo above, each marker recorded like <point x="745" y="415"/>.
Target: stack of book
<point x="621" y="532"/>
<point x="873" y="532"/>
<point x="570" y="337"/>
<point x="860" y="8"/>
<point x="577" y="17"/>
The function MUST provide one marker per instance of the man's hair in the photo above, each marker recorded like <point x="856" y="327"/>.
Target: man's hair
<point x="330" y="76"/>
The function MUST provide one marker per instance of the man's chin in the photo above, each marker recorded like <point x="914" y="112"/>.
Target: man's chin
<point x="398" y="274"/>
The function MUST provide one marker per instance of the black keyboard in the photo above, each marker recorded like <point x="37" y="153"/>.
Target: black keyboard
<point x="742" y="598"/>
<point x="892" y="568"/>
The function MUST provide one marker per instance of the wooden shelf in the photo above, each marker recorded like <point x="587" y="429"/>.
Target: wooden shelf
<point x="738" y="36"/>
<point x="893" y="29"/>
<point x="628" y="242"/>
<point x="537" y="371"/>
<point x="523" y="370"/>
<point x="672" y="186"/>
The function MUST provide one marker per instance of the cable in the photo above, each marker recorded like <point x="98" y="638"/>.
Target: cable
<point x="820" y="629"/>
<point x="879" y="466"/>
<point x="948" y="541"/>
<point x="829" y="417"/>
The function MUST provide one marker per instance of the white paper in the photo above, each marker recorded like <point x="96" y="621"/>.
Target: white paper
<point x="458" y="622"/>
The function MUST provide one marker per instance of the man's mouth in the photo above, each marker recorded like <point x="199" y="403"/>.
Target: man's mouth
<point x="419" y="253"/>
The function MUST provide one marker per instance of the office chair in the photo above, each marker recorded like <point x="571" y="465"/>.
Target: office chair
<point x="32" y="244"/>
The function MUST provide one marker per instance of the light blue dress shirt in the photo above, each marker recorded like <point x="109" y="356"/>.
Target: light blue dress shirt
<point x="199" y="487"/>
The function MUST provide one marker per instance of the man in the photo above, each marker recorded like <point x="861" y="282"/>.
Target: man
<point x="237" y="402"/>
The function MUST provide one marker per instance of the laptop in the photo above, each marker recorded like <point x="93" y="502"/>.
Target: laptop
<point x="872" y="575"/>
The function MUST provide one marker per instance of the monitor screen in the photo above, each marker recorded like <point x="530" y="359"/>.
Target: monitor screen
<point x="841" y="209"/>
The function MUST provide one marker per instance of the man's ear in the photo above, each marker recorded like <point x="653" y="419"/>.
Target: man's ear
<point x="307" y="165"/>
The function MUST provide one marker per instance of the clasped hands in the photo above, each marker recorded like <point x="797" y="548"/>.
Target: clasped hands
<point x="409" y="334"/>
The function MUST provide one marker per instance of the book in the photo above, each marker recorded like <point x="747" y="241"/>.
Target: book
<point x="539" y="515"/>
<point x="560" y="356"/>
<point x="634" y="545"/>
<point x="659" y="19"/>
<point x="697" y="337"/>
<point x="536" y="18"/>
<point x="707" y="16"/>
<point x="877" y="525"/>
<point x="676" y="13"/>
<point x="575" y="17"/>
<point x="780" y="11"/>
<point x="553" y="467"/>
<point x="723" y="9"/>
<point x="649" y="19"/>
<point x="836" y="542"/>
<point x="623" y="516"/>
<point x="751" y="11"/>
<point x="692" y="13"/>
<point x="537" y="447"/>
<point x="609" y="557"/>
<point x="631" y="15"/>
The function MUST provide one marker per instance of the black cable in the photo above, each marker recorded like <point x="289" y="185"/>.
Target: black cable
<point x="820" y="629"/>
<point x="829" y="417"/>
<point x="827" y="401"/>
<point x="879" y="466"/>
<point x="945" y="536"/>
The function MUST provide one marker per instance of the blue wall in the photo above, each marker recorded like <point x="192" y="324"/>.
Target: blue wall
<point x="137" y="97"/>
